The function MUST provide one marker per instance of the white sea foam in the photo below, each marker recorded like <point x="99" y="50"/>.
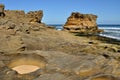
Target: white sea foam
<point x="110" y="36"/>
<point x="111" y="31"/>
<point x="110" y="28"/>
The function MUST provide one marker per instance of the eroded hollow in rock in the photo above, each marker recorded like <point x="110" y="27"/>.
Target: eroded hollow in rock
<point x="24" y="69"/>
<point x="25" y="64"/>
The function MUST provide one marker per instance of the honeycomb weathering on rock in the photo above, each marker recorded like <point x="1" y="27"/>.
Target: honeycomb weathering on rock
<point x="83" y="23"/>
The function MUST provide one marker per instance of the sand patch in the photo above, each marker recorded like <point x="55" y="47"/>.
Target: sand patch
<point x="27" y="63"/>
<point x="24" y="69"/>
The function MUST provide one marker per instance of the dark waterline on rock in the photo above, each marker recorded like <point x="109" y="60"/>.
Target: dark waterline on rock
<point x="103" y="39"/>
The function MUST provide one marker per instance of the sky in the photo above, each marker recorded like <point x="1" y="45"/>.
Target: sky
<point x="57" y="11"/>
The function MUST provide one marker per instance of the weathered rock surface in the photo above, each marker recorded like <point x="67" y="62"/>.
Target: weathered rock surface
<point x="82" y="23"/>
<point x="11" y="43"/>
<point x="60" y="65"/>
<point x="32" y="16"/>
<point x="35" y="15"/>
<point x="58" y="55"/>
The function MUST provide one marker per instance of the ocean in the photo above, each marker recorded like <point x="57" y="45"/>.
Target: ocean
<point x="110" y="31"/>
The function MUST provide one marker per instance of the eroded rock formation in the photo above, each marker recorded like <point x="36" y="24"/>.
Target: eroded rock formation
<point x="36" y="16"/>
<point x="54" y="55"/>
<point x="82" y="23"/>
<point x="32" y="16"/>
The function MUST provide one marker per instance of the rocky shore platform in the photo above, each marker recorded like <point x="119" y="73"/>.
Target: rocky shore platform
<point x="31" y="50"/>
<point x="100" y="38"/>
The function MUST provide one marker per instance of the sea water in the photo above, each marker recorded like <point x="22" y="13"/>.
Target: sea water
<point x="110" y="31"/>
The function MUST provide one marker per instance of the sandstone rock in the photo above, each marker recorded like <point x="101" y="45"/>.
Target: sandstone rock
<point x="54" y="55"/>
<point x="113" y="49"/>
<point x="59" y="65"/>
<point x="80" y="67"/>
<point x="10" y="43"/>
<point x="35" y="16"/>
<point x="104" y="77"/>
<point x="15" y="16"/>
<point x="56" y="76"/>
<point x="2" y="64"/>
<point x="14" y="13"/>
<point x="82" y="23"/>
<point x="20" y="16"/>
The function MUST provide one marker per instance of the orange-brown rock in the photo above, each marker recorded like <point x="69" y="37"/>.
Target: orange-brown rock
<point x="20" y="16"/>
<point x="36" y="16"/>
<point x="34" y="51"/>
<point x="83" y="23"/>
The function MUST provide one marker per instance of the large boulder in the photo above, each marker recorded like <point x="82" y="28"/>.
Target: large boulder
<point x="82" y="23"/>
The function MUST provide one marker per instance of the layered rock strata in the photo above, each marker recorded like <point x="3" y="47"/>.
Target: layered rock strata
<point x="54" y="55"/>
<point x="82" y="23"/>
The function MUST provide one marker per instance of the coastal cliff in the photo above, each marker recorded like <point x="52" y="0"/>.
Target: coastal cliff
<point x="82" y="23"/>
<point x="30" y="50"/>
